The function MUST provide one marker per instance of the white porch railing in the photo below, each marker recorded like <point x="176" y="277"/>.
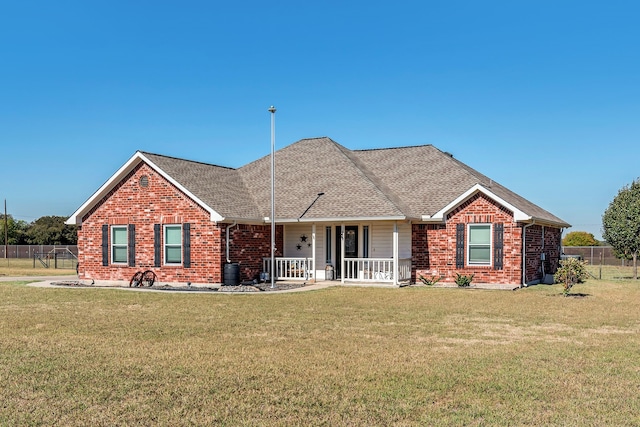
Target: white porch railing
<point x="290" y="268"/>
<point x="376" y="269"/>
<point x="356" y="269"/>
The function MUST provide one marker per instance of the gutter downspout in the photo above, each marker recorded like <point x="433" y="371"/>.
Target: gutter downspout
<point x="524" y="253"/>
<point x="235" y="224"/>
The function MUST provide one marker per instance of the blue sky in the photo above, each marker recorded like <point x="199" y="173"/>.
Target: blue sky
<point x="541" y="96"/>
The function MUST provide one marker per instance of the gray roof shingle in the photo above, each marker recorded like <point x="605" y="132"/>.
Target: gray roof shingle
<point x="403" y="182"/>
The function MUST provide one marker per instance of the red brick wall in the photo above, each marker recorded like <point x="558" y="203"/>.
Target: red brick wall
<point x="249" y="244"/>
<point x="539" y="240"/>
<point x="162" y="203"/>
<point x="434" y="245"/>
<point x="158" y="203"/>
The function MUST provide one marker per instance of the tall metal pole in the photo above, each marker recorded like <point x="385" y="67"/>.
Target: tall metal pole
<point x="272" y="110"/>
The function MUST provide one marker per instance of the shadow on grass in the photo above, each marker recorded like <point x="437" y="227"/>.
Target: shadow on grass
<point x="576" y="295"/>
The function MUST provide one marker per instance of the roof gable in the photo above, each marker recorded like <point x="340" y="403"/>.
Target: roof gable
<point x="420" y="183"/>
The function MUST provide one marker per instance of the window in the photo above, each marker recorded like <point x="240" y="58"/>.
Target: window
<point x="479" y="246"/>
<point x="172" y="244"/>
<point x="119" y="244"/>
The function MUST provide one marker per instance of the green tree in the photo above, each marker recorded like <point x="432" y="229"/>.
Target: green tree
<point x="621" y="223"/>
<point x="16" y="230"/>
<point x="51" y="230"/>
<point x="579" y="238"/>
<point x="570" y="272"/>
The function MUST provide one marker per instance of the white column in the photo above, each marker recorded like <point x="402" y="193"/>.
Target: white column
<point x="313" y="252"/>
<point x="341" y="260"/>
<point x="396" y="267"/>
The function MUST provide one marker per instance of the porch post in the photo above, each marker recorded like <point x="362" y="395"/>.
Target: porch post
<point x="341" y="260"/>
<point x="313" y="251"/>
<point x="396" y="267"/>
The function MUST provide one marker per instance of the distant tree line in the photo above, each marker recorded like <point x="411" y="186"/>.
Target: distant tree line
<point x="46" y="230"/>
<point x="580" y="238"/>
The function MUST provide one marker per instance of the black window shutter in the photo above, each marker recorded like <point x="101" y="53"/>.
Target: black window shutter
<point x="132" y="245"/>
<point x="186" y="243"/>
<point x="105" y="245"/>
<point x="498" y="246"/>
<point x="460" y="245"/>
<point x="156" y="245"/>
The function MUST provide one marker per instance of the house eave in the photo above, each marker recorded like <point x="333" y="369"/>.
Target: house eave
<point x="546" y="222"/>
<point x="339" y="219"/>
<point x="135" y="160"/>
<point x="518" y="215"/>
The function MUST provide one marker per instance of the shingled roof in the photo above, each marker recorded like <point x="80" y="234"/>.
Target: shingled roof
<point x="419" y="183"/>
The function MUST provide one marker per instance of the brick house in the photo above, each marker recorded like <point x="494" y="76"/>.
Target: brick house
<point x="382" y="215"/>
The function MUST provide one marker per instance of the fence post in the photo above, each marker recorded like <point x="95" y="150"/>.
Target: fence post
<point x="601" y="265"/>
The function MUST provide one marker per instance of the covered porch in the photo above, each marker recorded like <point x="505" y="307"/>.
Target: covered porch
<point x="365" y="252"/>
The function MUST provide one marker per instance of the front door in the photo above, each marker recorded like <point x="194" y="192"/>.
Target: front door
<point x="350" y="246"/>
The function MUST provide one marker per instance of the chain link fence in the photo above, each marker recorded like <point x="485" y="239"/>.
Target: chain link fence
<point x="602" y="262"/>
<point x="41" y="256"/>
<point x="596" y="255"/>
<point x="29" y="251"/>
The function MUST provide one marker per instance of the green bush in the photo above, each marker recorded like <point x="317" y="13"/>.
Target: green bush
<point x="463" y="281"/>
<point x="570" y="272"/>
<point x="430" y="281"/>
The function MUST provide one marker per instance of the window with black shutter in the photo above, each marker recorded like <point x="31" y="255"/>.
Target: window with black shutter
<point x="105" y="245"/>
<point x="132" y="245"/>
<point x="498" y="246"/>
<point x="460" y="245"/>
<point x="186" y="238"/>
<point x="157" y="245"/>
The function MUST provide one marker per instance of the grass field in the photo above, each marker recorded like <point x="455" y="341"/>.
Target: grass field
<point x="26" y="267"/>
<point x="338" y="356"/>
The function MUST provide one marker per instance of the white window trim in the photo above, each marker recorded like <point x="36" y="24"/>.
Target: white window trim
<point x="113" y="245"/>
<point x="164" y="245"/>
<point x="468" y="249"/>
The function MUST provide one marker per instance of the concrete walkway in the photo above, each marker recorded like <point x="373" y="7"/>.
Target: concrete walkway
<point x="48" y="281"/>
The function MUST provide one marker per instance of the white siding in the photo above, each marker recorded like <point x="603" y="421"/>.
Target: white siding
<point x="293" y="237"/>
<point x="381" y="240"/>
<point x="404" y="240"/>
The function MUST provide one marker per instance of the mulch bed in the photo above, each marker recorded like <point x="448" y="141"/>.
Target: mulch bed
<point x="259" y="287"/>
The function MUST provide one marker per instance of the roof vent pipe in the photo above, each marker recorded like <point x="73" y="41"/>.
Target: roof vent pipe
<point x="235" y="224"/>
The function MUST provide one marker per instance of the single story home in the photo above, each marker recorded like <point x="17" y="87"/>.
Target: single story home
<point x="381" y="215"/>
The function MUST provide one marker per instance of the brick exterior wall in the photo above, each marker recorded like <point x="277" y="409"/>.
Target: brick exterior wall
<point x="542" y="240"/>
<point x="434" y="246"/>
<point x="249" y="244"/>
<point x="160" y="202"/>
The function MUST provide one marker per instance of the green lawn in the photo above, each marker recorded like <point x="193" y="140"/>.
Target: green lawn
<point x="13" y="267"/>
<point x="339" y="356"/>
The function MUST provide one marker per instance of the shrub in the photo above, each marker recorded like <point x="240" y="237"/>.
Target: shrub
<point x="430" y="281"/>
<point x="570" y="272"/>
<point x="463" y="281"/>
